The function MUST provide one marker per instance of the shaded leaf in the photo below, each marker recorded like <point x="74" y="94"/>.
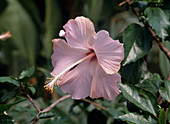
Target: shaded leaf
<point x="21" y="109"/>
<point x="137" y="43"/>
<point x="114" y="112"/>
<point x="139" y="4"/>
<point x="163" y="61"/>
<point x="59" y="120"/>
<point x="9" y="95"/>
<point x="46" y="115"/>
<point x="5" y="119"/>
<point x="32" y="89"/>
<point x="165" y="91"/>
<point x="134" y="118"/>
<point x="152" y="120"/>
<point x="120" y="98"/>
<point x="27" y="73"/>
<point x="5" y="107"/>
<point x="162" y="116"/>
<point x="133" y="72"/>
<point x="141" y="98"/>
<point x="9" y="80"/>
<point x="151" y="84"/>
<point x="158" y="20"/>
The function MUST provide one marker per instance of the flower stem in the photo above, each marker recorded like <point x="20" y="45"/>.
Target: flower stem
<point x="55" y="103"/>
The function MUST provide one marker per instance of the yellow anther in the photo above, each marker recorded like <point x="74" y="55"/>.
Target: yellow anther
<point x="51" y="82"/>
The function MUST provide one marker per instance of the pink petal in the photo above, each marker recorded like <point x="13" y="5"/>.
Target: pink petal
<point x="79" y="32"/>
<point x="77" y="82"/>
<point x="64" y="56"/>
<point x="104" y="85"/>
<point x="5" y="36"/>
<point x="109" y="52"/>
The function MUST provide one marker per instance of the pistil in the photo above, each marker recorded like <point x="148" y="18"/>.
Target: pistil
<point x="57" y="78"/>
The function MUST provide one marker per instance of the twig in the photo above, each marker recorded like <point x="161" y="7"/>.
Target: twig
<point x="97" y="105"/>
<point x="154" y="35"/>
<point x="31" y="100"/>
<point x="28" y="96"/>
<point x="127" y="1"/>
<point x="120" y="4"/>
<point x="55" y="103"/>
<point x="49" y="108"/>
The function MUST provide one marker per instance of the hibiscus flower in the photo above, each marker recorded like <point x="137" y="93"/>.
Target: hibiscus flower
<point x="87" y="64"/>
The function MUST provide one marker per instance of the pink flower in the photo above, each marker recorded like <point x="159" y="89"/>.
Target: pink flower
<point x="88" y="63"/>
<point x="5" y="36"/>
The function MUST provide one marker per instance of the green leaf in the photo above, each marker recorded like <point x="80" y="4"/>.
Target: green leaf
<point x="46" y="115"/>
<point x="59" y="120"/>
<point x="5" y="119"/>
<point x="165" y="91"/>
<point x="162" y="116"/>
<point x="9" y="80"/>
<point x="5" y="107"/>
<point x="141" y="98"/>
<point x="163" y="61"/>
<point x="134" y="118"/>
<point x="27" y="73"/>
<point x="9" y="95"/>
<point x="158" y="20"/>
<point x="59" y="91"/>
<point x="23" y="30"/>
<point x="133" y="72"/>
<point x="114" y="112"/>
<point x="32" y="89"/>
<point x="139" y="4"/>
<point x="137" y="43"/>
<point x="21" y="109"/>
<point x="152" y="120"/>
<point x="151" y="84"/>
<point x="168" y="114"/>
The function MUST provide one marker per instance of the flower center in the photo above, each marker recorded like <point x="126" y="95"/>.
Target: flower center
<point x="52" y="81"/>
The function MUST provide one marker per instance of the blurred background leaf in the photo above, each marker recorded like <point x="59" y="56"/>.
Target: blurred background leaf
<point x="52" y="25"/>
<point x="22" y="28"/>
